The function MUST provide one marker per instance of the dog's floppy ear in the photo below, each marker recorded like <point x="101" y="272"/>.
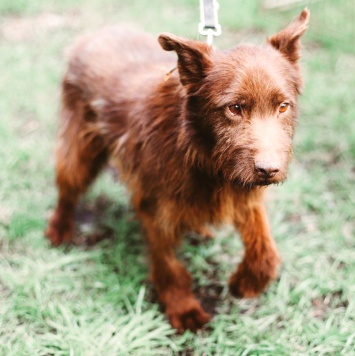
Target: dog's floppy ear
<point x="193" y="57"/>
<point x="287" y="41"/>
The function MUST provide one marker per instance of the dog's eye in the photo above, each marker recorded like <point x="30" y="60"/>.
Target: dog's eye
<point x="283" y="107"/>
<point x="235" y="110"/>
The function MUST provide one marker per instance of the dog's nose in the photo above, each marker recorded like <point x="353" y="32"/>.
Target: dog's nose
<point x="266" y="169"/>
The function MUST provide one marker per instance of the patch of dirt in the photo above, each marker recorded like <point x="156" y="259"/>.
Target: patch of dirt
<point x="209" y="296"/>
<point x="5" y="215"/>
<point x="231" y="37"/>
<point x="332" y="301"/>
<point x="197" y="238"/>
<point x="187" y="352"/>
<point x="329" y="159"/>
<point x="26" y="28"/>
<point x="90" y="221"/>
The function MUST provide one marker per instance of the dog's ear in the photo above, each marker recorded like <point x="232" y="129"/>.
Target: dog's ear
<point x="193" y="57"/>
<point x="287" y="41"/>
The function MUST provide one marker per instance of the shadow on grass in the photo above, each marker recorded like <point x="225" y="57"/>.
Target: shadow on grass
<point x="105" y="223"/>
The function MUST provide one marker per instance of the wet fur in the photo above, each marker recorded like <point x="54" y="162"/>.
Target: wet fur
<point x="186" y="161"/>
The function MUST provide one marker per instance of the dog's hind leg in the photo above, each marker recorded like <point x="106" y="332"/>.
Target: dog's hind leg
<point x="171" y="280"/>
<point x="259" y="265"/>
<point x="80" y="155"/>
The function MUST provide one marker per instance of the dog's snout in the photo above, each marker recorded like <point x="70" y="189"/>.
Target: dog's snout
<point x="266" y="169"/>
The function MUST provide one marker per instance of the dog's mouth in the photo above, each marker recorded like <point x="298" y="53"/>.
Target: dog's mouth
<point x="264" y="182"/>
<point x="257" y="183"/>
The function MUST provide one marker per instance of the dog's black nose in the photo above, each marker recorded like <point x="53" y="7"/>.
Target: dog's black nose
<point x="265" y="169"/>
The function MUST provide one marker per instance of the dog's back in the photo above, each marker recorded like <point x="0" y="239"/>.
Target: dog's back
<point x="116" y="61"/>
<point x="106" y="93"/>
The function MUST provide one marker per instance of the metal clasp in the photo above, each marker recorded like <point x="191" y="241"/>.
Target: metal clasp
<point x="209" y="25"/>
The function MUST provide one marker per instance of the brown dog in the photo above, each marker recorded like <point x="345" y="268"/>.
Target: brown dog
<point x="195" y="147"/>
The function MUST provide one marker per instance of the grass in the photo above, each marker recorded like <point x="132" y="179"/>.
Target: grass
<point x="95" y="298"/>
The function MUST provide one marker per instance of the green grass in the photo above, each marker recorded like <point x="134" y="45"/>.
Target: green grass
<point x="95" y="298"/>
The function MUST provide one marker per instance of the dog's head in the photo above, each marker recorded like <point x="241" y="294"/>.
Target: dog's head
<point x="241" y="104"/>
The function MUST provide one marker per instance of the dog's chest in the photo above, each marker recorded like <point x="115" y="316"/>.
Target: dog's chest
<point x="208" y="204"/>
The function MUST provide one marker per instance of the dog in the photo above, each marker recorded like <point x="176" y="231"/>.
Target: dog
<point x="196" y="146"/>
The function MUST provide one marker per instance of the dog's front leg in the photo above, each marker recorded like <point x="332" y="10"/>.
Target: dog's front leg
<point x="259" y="265"/>
<point x="172" y="281"/>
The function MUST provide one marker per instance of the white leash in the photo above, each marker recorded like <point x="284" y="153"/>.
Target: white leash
<point x="209" y="25"/>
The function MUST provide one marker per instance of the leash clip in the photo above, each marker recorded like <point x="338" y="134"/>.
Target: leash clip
<point x="209" y="25"/>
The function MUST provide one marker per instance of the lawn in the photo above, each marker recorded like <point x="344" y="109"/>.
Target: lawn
<point x="94" y="298"/>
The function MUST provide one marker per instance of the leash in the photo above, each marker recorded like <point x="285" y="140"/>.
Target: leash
<point x="209" y="25"/>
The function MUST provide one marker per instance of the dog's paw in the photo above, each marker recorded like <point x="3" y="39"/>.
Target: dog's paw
<point x="249" y="283"/>
<point x="59" y="232"/>
<point x="187" y="314"/>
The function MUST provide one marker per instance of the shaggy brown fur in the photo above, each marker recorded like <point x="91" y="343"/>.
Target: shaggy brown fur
<point x="195" y="148"/>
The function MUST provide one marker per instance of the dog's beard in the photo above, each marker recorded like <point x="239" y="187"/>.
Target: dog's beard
<point x="250" y="185"/>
